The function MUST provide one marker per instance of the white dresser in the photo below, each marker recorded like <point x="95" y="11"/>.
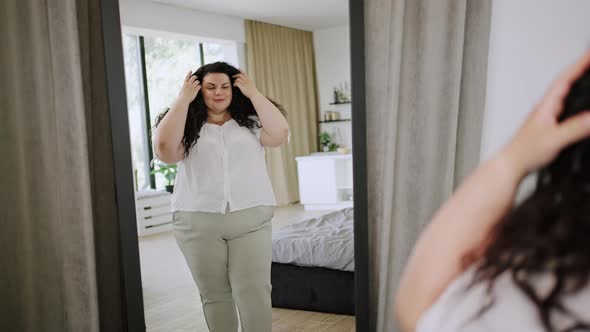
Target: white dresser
<point x="152" y="208"/>
<point x="325" y="180"/>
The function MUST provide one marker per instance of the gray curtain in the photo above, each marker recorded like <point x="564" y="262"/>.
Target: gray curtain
<point x="426" y="66"/>
<point x="58" y="203"/>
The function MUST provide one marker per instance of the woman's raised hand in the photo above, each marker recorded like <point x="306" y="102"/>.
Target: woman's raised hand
<point x="190" y="88"/>
<point x="542" y="137"/>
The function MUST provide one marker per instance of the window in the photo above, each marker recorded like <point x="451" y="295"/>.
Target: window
<point x="167" y="63"/>
<point x="213" y="52"/>
<point x="220" y="52"/>
<point x="136" y="109"/>
<point x="154" y="71"/>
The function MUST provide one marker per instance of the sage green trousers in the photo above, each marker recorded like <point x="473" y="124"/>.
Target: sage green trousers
<point x="229" y="256"/>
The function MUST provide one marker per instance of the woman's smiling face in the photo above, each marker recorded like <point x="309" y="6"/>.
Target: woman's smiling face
<point x="217" y="92"/>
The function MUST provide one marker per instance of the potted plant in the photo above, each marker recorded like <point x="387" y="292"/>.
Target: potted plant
<point x="169" y="172"/>
<point x="325" y="140"/>
<point x="341" y="95"/>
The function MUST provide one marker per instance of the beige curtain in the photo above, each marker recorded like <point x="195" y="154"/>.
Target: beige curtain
<point x="426" y="64"/>
<point x="281" y="62"/>
<point x="56" y="171"/>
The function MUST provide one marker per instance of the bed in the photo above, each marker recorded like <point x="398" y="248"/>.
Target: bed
<point x="313" y="264"/>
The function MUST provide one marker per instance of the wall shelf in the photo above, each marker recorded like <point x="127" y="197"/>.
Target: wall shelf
<point x="340" y="103"/>
<point x="341" y="120"/>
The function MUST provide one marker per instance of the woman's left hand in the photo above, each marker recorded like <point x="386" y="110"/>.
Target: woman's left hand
<point x="246" y="85"/>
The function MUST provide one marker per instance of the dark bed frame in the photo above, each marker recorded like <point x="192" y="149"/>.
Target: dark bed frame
<point x="125" y="295"/>
<point x="312" y="289"/>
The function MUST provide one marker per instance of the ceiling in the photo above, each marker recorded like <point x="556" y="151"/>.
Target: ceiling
<point x="301" y="14"/>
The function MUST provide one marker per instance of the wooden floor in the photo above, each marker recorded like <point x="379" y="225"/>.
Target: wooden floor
<point x="171" y="299"/>
<point x="284" y="320"/>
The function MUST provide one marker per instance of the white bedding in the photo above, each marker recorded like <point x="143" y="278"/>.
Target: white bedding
<point x="325" y="241"/>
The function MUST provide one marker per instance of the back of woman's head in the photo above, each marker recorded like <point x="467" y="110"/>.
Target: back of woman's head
<point x="241" y="108"/>
<point x="549" y="233"/>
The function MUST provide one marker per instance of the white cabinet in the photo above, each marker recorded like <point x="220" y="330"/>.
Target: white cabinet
<point x="152" y="208"/>
<point x="325" y="181"/>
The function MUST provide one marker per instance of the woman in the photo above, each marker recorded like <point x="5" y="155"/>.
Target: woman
<point x="223" y="200"/>
<point x="521" y="269"/>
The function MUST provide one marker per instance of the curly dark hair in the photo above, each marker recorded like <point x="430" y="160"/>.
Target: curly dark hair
<point x="549" y="232"/>
<point x="240" y="108"/>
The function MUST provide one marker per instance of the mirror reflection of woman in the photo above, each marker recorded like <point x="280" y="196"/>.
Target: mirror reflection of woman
<point x="484" y="265"/>
<point x="216" y="131"/>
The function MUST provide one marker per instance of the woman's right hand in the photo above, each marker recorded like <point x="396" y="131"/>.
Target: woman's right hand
<point x="542" y="137"/>
<point x="190" y="88"/>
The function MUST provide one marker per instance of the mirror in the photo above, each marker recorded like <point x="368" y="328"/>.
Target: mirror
<point x="219" y="226"/>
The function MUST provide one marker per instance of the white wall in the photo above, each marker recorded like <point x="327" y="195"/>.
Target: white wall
<point x="332" y="55"/>
<point x="531" y="42"/>
<point x="156" y="18"/>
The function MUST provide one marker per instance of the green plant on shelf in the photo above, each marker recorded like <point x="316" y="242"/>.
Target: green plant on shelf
<point x="325" y="140"/>
<point x="342" y="93"/>
<point x="341" y="97"/>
